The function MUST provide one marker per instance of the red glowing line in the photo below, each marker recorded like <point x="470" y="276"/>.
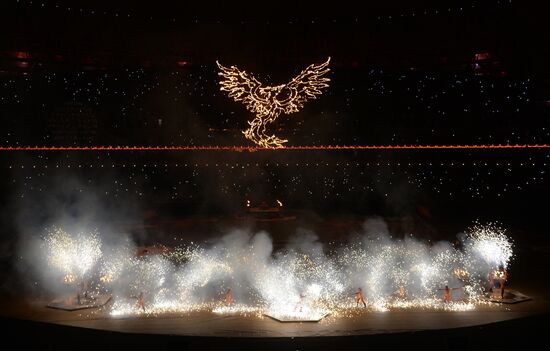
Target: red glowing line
<point x="254" y="148"/>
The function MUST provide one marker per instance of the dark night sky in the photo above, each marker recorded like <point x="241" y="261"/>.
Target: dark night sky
<point x="280" y="32"/>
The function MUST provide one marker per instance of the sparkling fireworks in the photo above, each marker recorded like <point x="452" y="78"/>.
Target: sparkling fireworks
<point x="301" y="282"/>
<point x="491" y="244"/>
<point x="72" y="255"/>
<point x="270" y="101"/>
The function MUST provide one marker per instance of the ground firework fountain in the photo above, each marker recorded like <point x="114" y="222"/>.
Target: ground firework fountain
<point x="72" y="258"/>
<point x="304" y="282"/>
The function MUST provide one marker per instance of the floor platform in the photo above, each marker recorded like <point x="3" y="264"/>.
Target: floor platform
<point x="297" y="317"/>
<point x="72" y="304"/>
<point x="510" y="297"/>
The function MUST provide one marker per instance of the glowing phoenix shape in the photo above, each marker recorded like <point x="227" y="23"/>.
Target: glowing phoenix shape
<point x="270" y="101"/>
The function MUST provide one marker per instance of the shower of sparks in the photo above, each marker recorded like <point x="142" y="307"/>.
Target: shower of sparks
<point x="299" y="283"/>
<point x="270" y="101"/>
<point x="72" y="255"/>
<point x="113" y="264"/>
<point x="491" y="244"/>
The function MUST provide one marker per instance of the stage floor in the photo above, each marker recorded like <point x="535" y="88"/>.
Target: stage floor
<point x="209" y="324"/>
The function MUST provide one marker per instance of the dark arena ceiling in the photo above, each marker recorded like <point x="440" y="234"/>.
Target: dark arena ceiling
<point x="394" y="34"/>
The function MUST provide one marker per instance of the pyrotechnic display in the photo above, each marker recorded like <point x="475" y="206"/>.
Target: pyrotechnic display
<point x="300" y="282"/>
<point x="73" y="256"/>
<point x="268" y="102"/>
<point x="302" y="176"/>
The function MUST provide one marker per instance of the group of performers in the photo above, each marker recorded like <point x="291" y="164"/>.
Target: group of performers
<point x="497" y="279"/>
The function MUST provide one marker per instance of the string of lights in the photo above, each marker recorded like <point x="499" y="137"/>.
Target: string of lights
<point x="314" y="176"/>
<point x="287" y="148"/>
<point x="286" y="164"/>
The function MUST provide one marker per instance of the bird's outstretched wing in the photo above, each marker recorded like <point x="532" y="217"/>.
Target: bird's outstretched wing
<point x="241" y="86"/>
<point x="308" y="84"/>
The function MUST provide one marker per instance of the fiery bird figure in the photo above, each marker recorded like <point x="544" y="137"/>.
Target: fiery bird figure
<point x="270" y="101"/>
